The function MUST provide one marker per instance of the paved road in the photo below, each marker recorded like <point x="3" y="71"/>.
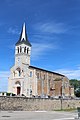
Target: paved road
<point x="37" y="115"/>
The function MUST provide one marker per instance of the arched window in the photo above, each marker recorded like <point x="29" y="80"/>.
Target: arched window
<point x="14" y="73"/>
<point x="20" y="49"/>
<point x="25" y="50"/>
<point x="19" y="71"/>
<point x="30" y="73"/>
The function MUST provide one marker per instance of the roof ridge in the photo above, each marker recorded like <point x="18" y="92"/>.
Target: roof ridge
<point x="46" y="70"/>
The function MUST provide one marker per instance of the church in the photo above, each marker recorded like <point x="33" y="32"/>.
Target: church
<point x="32" y="81"/>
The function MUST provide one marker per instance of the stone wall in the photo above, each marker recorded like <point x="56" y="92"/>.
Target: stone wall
<point x="31" y="104"/>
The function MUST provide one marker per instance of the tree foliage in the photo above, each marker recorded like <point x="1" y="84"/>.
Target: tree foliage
<point x="76" y="84"/>
<point x="77" y="92"/>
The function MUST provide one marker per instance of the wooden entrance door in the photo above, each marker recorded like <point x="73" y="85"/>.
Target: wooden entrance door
<point x="18" y="90"/>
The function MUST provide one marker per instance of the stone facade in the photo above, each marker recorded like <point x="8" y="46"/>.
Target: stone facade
<point x="33" y="81"/>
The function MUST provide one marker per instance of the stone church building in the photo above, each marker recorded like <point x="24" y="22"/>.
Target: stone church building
<point x="33" y="81"/>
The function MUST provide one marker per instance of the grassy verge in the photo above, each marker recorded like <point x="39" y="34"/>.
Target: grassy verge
<point x="67" y="110"/>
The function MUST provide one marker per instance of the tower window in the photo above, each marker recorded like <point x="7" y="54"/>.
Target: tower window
<point x="20" y="49"/>
<point x="25" y="50"/>
<point x="19" y="72"/>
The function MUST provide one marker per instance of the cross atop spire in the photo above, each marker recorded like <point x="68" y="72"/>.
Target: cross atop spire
<point x="23" y="36"/>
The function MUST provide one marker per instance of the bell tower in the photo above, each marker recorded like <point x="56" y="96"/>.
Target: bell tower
<point x="19" y="80"/>
<point x="22" y="48"/>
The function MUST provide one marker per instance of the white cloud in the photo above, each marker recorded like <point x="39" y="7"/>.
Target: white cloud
<point x="45" y="42"/>
<point x="70" y="73"/>
<point x="4" y="74"/>
<point x="51" y="27"/>
<point x="39" y="49"/>
<point x="13" y="30"/>
<point x="4" y="80"/>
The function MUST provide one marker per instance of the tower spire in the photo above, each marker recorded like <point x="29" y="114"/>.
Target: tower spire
<point x="23" y="36"/>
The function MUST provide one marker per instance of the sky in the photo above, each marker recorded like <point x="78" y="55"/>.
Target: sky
<point x="53" y="29"/>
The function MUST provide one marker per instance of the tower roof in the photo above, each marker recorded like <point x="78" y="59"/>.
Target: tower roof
<point x="23" y="37"/>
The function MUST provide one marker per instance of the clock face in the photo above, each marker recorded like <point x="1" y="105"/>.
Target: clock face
<point x="18" y="59"/>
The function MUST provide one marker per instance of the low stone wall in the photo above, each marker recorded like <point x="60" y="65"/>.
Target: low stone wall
<point x="67" y="104"/>
<point x="32" y="104"/>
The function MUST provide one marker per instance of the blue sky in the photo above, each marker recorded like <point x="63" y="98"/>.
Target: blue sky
<point x="53" y="28"/>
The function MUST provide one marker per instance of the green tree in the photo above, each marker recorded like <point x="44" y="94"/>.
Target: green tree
<point x="76" y="84"/>
<point x="77" y="92"/>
